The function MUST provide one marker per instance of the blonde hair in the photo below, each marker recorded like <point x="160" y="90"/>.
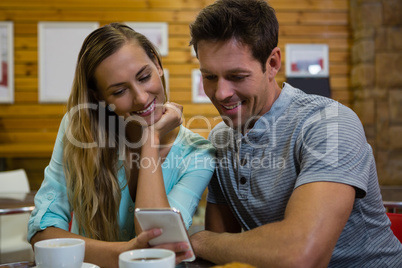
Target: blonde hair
<point x="91" y="171"/>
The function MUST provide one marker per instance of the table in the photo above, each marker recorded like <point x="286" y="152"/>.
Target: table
<point x="15" y="203"/>
<point x="198" y="263"/>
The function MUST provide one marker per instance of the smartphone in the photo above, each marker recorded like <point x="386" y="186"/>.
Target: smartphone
<point x="167" y="219"/>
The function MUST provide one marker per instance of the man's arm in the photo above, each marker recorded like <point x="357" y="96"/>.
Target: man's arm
<point x="219" y="219"/>
<point x="314" y="219"/>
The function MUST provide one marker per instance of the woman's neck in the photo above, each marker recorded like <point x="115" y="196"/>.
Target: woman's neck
<point x="134" y="134"/>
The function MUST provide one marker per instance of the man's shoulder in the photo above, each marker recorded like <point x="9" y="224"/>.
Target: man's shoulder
<point x="220" y="129"/>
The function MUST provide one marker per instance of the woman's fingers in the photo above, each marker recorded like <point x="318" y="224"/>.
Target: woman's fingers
<point x="175" y="109"/>
<point x="182" y="250"/>
<point x="171" y="119"/>
<point x="144" y="237"/>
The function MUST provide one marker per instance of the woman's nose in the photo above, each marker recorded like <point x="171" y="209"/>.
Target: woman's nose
<point x="140" y="98"/>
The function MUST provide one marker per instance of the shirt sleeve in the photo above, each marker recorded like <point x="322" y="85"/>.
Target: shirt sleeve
<point x="196" y="169"/>
<point x="332" y="147"/>
<point x="51" y="203"/>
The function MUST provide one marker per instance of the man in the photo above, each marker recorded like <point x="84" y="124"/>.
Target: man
<point x="295" y="183"/>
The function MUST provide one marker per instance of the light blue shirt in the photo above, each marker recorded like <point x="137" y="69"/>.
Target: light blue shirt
<point x="186" y="170"/>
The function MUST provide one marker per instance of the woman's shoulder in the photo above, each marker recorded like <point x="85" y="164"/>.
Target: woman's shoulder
<point x="190" y="140"/>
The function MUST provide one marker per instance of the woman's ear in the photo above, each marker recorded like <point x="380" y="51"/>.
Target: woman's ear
<point x="273" y="64"/>
<point x="96" y="95"/>
<point x="160" y="70"/>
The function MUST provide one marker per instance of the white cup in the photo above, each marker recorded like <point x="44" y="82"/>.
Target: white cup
<point x="147" y="258"/>
<point x="60" y="253"/>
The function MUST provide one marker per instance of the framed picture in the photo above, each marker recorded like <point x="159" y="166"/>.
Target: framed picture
<point x="307" y="60"/>
<point x="198" y="94"/>
<point x="6" y="62"/>
<point x="156" y="32"/>
<point x="58" y="48"/>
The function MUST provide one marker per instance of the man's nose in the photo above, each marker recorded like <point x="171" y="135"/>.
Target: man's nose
<point x="223" y="90"/>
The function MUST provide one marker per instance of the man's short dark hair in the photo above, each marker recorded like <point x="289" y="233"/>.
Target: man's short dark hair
<point x="251" y="22"/>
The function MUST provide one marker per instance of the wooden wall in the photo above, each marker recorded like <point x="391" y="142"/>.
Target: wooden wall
<point x="28" y="129"/>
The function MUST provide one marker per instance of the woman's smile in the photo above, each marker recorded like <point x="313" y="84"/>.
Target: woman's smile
<point x="149" y="109"/>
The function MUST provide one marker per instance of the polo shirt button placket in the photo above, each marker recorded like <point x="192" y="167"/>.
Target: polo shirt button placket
<point x="243" y="162"/>
<point x="243" y="180"/>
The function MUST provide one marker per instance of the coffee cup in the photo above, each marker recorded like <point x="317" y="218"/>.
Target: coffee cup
<point x="60" y="253"/>
<point x="147" y="258"/>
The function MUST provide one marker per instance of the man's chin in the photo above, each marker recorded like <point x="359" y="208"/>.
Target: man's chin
<point x="231" y="123"/>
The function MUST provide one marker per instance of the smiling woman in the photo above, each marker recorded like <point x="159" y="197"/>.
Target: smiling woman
<point x="131" y="82"/>
<point x="119" y="147"/>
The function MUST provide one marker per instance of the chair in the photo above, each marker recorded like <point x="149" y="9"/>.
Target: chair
<point x="13" y="228"/>
<point x="396" y="224"/>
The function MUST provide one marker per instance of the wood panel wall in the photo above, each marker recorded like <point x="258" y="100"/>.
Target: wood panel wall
<point x="28" y="129"/>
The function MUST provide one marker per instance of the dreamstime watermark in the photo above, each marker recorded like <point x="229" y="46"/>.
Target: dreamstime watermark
<point x="326" y="150"/>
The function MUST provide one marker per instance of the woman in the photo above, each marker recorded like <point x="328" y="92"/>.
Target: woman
<point x="120" y="146"/>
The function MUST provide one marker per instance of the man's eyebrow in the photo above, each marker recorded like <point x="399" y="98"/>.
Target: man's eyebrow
<point x="204" y="70"/>
<point x="234" y="70"/>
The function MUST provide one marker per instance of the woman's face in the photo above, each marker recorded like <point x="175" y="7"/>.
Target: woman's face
<point x="130" y="83"/>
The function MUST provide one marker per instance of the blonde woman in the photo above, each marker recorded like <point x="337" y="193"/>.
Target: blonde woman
<point x="119" y="147"/>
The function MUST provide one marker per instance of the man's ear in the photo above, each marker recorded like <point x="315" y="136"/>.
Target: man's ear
<point x="273" y="64"/>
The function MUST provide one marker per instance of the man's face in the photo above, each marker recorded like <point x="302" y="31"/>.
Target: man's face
<point x="234" y="81"/>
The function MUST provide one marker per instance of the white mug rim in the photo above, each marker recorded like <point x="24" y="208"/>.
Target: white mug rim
<point x="45" y="243"/>
<point x="169" y="252"/>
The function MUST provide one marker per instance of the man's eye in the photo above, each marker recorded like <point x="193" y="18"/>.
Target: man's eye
<point x="237" y="77"/>
<point x="209" y="77"/>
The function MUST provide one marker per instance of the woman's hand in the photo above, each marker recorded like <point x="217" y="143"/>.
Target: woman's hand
<point x="171" y="119"/>
<point x="141" y="241"/>
<point x="182" y="250"/>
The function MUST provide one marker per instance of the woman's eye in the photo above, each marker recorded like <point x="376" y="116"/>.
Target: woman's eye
<point x="119" y="91"/>
<point x="145" y="78"/>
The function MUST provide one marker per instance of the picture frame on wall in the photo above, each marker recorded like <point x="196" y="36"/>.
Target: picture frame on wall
<point x="198" y="94"/>
<point x="59" y="44"/>
<point x="6" y="62"/>
<point x="307" y="60"/>
<point x="156" y="32"/>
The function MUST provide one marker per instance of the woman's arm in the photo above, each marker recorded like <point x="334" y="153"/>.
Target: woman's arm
<point x="150" y="186"/>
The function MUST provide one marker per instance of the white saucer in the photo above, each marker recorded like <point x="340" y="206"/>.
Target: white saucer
<point x="89" y="265"/>
<point x="84" y="265"/>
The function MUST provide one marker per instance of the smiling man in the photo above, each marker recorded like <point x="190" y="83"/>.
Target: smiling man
<point x="295" y="183"/>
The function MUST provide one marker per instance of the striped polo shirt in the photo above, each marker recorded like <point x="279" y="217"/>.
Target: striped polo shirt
<point x="302" y="139"/>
